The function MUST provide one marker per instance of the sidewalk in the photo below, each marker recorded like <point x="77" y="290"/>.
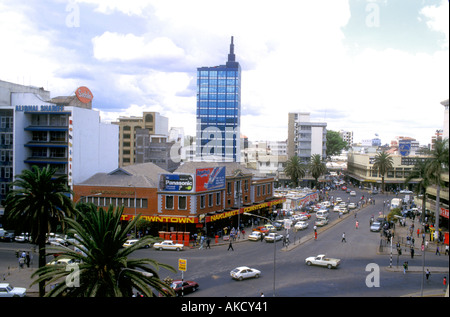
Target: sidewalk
<point x="18" y="277"/>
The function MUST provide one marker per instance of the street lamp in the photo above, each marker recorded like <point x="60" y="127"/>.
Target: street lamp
<point x="274" y="248"/>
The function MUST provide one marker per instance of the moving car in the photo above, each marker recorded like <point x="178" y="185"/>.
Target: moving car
<point x="168" y="245"/>
<point x="301" y="225"/>
<point x="322" y="260"/>
<point x="351" y="206"/>
<point x="352" y="193"/>
<point x="243" y="272"/>
<point x="6" y="290"/>
<point x="6" y="236"/>
<point x="321" y="221"/>
<point x="271" y="237"/>
<point x="23" y="237"/>
<point x="184" y="287"/>
<point x="376" y="226"/>
<point x="255" y="236"/>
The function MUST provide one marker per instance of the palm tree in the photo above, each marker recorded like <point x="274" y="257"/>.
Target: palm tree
<point x="295" y="169"/>
<point x="383" y="162"/>
<point x="317" y="167"/>
<point x="103" y="267"/>
<point x="37" y="204"/>
<point x="437" y="166"/>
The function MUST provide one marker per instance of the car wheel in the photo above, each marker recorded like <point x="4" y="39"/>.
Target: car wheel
<point x="308" y="263"/>
<point x="160" y="249"/>
<point x="257" y="275"/>
<point x="240" y="278"/>
<point x="329" y="266"/>
<point x="178" y="249"/>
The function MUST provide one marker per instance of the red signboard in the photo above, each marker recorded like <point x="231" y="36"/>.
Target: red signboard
<point x="84" y="94"/>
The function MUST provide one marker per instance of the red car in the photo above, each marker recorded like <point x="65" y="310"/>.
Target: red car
<point x="306" y="214"/>
<point x="344" y="187"/>
<point x="183" y="287"/>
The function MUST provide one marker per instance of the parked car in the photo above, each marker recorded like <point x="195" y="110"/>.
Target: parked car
<point x="7" y="236"/>
<point x="244" y="272"/>
<point x="168" y="245"/>
<point x="255" y="236"/>
<point x="273" y="237"/>
<point x="301" y="225"/>
<point x="6" y="290"/>
<point x="23" y="237"/>
<point x="130" y="242"/>
<point x="62" y="262"/>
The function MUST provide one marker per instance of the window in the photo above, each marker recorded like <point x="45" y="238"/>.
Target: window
<point x="210" y="200"/>
<point x="182" y="202"/>
<point x="169" y="202"/>
<point x="218" y="200"/>
<point x="202" y="201"/>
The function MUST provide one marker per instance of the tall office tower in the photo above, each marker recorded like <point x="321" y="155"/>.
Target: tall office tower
<point x="219" y="111"/>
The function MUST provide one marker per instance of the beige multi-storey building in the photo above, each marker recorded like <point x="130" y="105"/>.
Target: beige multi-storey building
<point x="153" y="122"/>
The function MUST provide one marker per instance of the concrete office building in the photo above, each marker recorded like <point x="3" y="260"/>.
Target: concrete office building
<point x="63" y="132"/>
<point x="153" y="122"/>
<point x="306" y="138"/>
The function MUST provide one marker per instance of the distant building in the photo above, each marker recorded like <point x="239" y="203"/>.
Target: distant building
<point x="152" y="122"/>
<point x="306" y="138"/>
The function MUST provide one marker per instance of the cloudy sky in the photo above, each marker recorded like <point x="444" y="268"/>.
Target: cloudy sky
<point x="371" y="67"/>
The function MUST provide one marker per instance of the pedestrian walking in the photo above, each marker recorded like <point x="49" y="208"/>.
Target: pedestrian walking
<point x="444" y="282"/>
<point x="427" y="274"/>
<point x="230" y="246"/>
<point x="356" y="224"/>
<point x="315" y="235"/>
<point x="412" y="253"/>
<point x="27" y="259"/>
<point x="343" y="238"/>
<point x="208" y="243"/>
<point x="405" y="267"/>
<point x="437" y="250"/>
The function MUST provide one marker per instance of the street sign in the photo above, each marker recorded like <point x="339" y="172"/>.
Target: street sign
<point x="182" y="265"/>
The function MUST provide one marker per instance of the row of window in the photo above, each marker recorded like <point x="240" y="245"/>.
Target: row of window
<point x="116" y="201"/>
<point x="231" y="95"/>
<point x="216" y="73"/>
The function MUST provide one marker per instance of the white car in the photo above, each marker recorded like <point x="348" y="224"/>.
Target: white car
<point x="338" y="199"/>
<point x="6" y="290"/>
<point x="23" y="237"/>
<point x="130" y="242"/>
<point x="301" y="225"/>
<point x="351" y="206"/>
<point x="255" y="236"/>
<point x="243" y="272"/>
<point x="271" y="237"/>
<point x="352" y="193"/>
<point x="168" y="245"/>
<point x="62" y="262"/>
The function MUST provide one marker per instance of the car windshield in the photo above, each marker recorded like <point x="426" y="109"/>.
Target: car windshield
<point x="235" y="271"/>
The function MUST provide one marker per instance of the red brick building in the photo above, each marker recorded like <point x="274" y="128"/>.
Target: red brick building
<point x="197" y="196"/>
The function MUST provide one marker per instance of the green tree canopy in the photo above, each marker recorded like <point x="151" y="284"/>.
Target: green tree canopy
<point x="335" y="143"/>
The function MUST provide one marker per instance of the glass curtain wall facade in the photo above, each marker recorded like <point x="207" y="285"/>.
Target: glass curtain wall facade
<point x="218" y="111"/>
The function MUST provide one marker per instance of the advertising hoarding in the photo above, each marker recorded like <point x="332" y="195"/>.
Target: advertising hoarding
<point x="176" y="182"/>
<point x="211" y="178"/>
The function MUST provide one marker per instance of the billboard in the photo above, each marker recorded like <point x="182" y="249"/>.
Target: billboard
<point x="404" y="147"/>
<point x="176" y="182"/>
<point x="211" y="178"/>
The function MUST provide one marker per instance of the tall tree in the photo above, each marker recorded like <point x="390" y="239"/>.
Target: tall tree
<point x="335" y="143"/>
<point x="295" y="170"/>
<point x="104" y="268"/>
<point x="317" y="167"/>
<point x="438" y="165"/>
<point x="383" y="162"/>
<point x="37" y="204"/>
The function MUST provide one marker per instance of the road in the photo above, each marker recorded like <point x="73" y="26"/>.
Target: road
<point x="210" y="268"/>
<point x="292" y="278"/>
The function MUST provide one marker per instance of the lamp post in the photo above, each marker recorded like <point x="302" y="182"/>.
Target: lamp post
<point x="274" y="248"/>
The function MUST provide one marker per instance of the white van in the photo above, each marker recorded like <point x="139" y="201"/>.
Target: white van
<point x="322" y="214"/>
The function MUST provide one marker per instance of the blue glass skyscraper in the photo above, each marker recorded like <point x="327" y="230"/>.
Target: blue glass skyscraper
<point x="219" y="111"/>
